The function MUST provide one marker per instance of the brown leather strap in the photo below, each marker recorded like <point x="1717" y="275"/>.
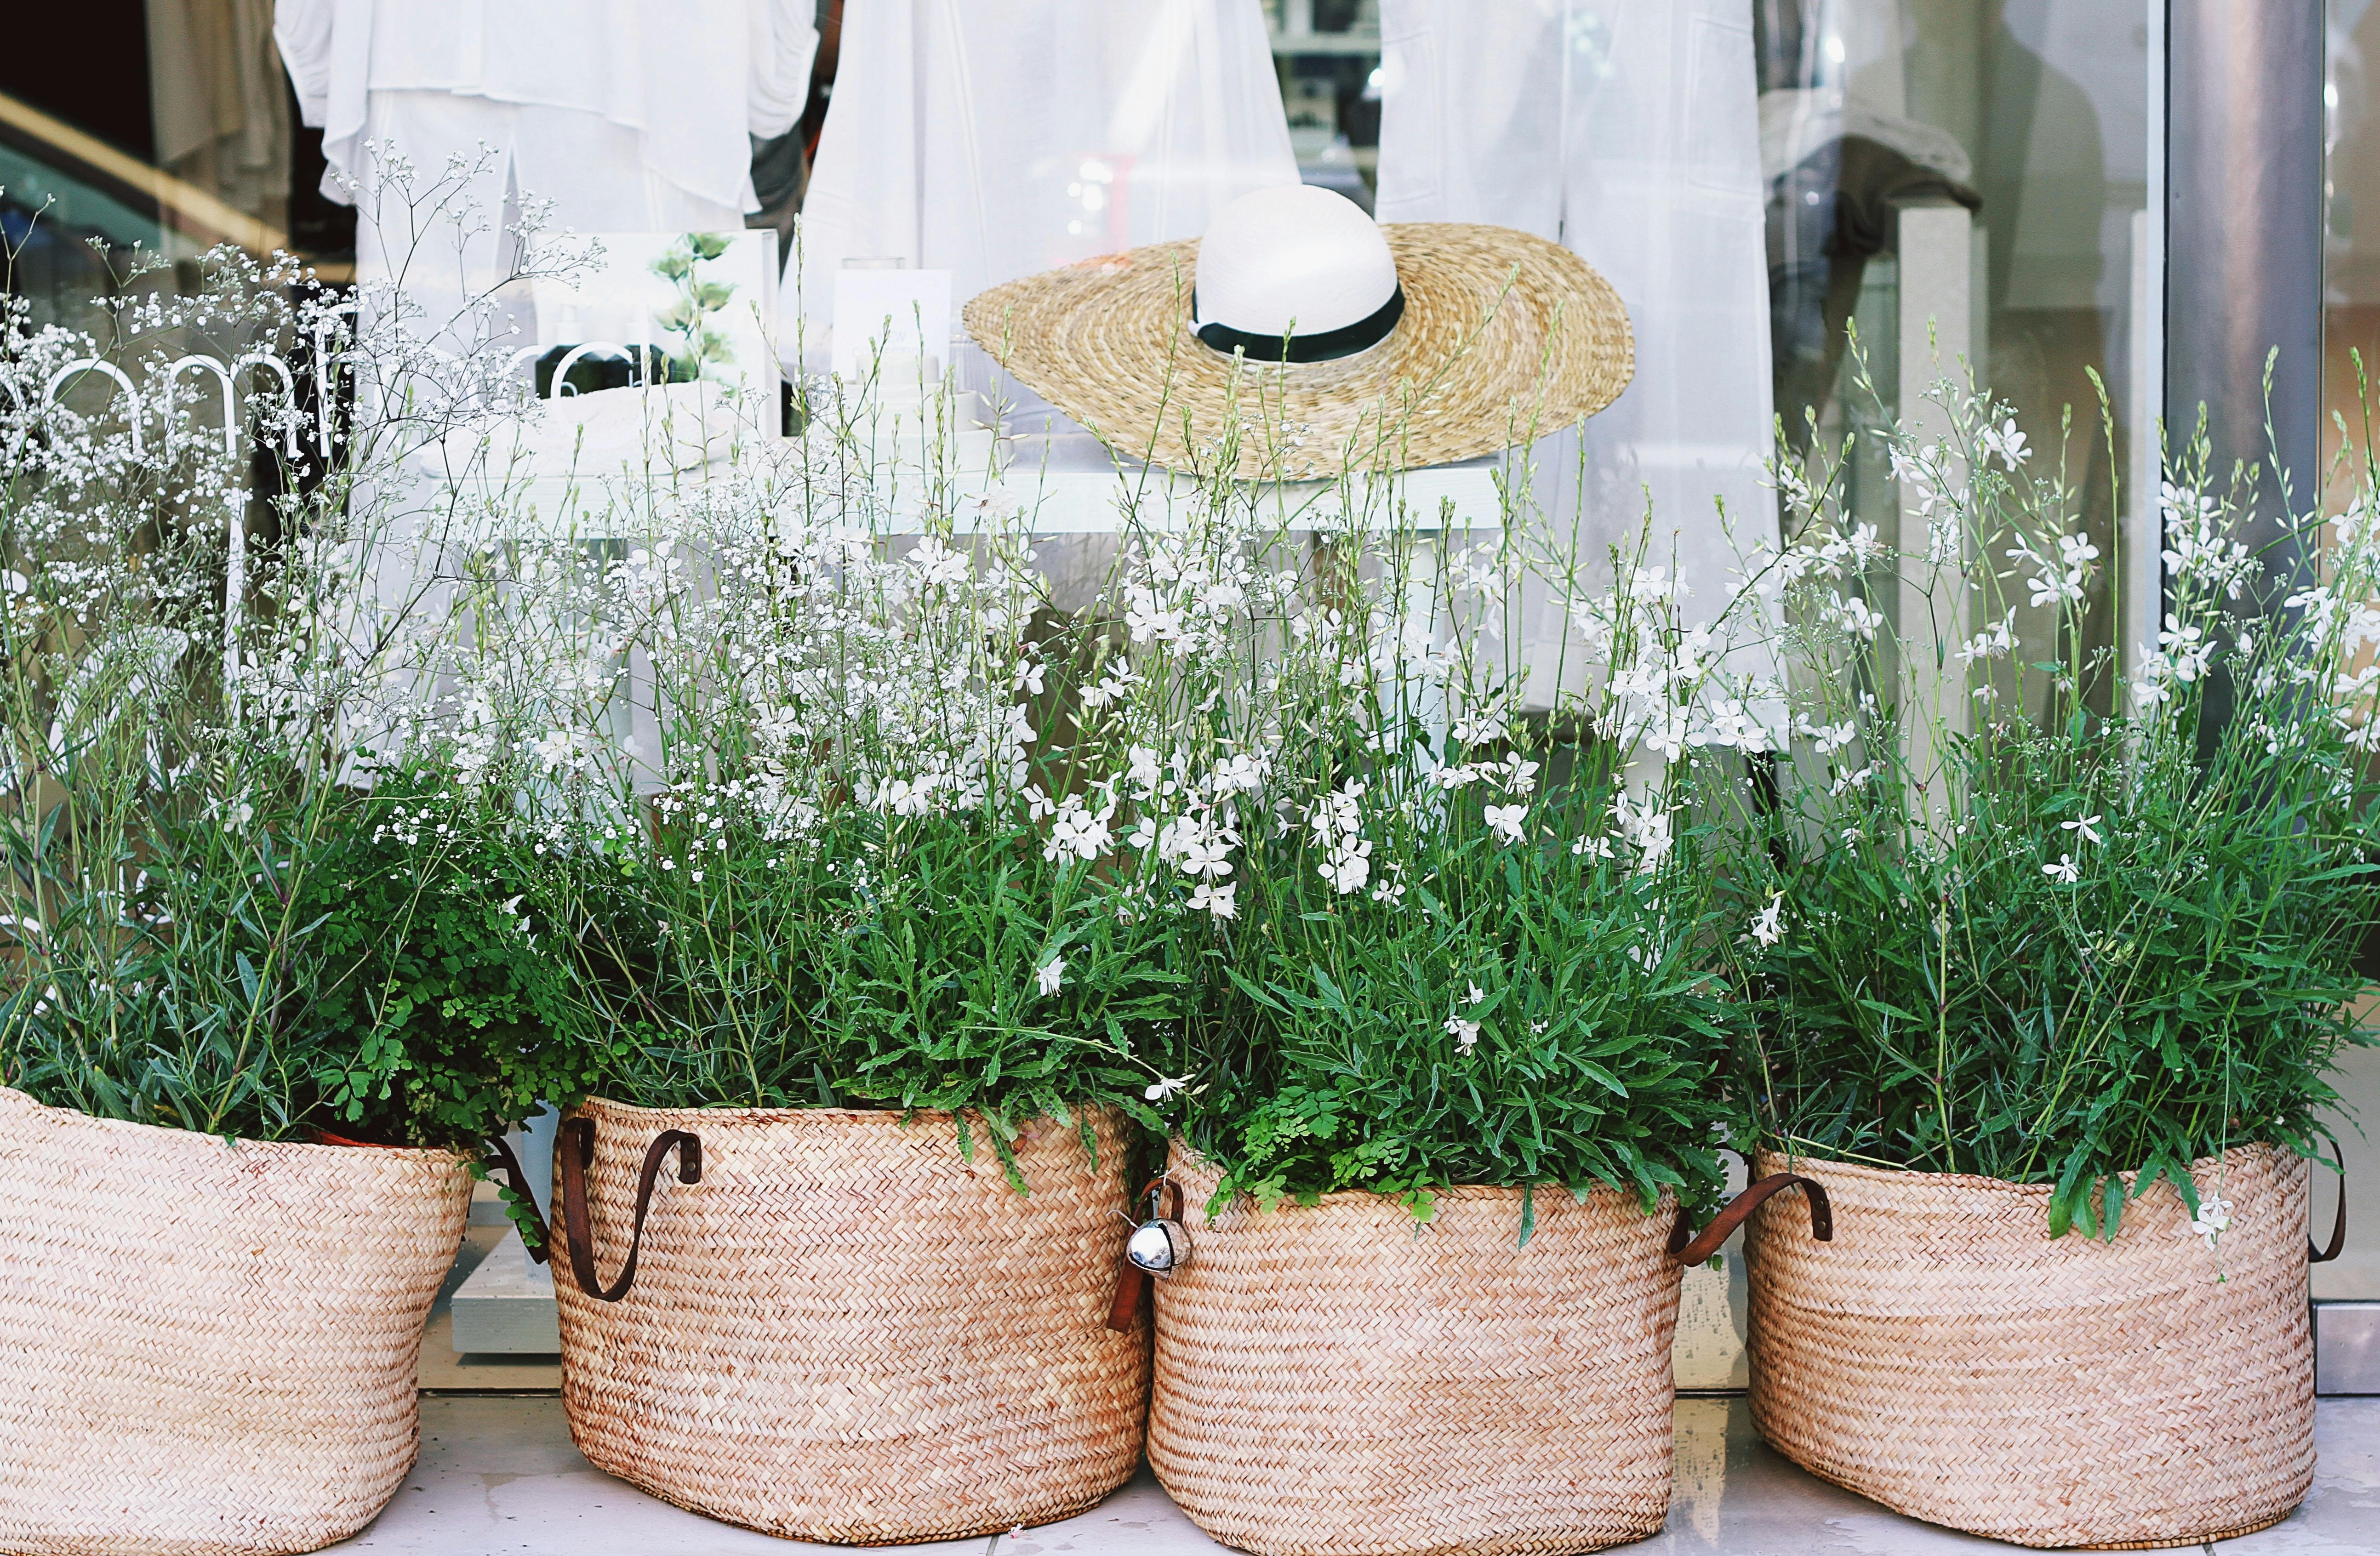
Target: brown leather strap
<point x="577" y="1146"/>
<point x="504" y="1160"/>
<point x="1687" y="1248"/>
<point x="1124" y="1313"/>
<point x="2339" y="1223"/>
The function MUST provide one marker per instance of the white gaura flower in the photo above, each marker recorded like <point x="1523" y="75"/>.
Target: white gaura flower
<point x="1505" y="820"/>
<point x="1767" y="928"/>
<point x="1477" y="995"/>
<point x="2214" y="1217"/>
<point x="1077" y="833"/>
<point x="1217" y="900"/>
<point x="2065" y="871"/>
<point x="2087" y="826"/>
<point x="1349" y="866"/>
<point x="1051" y="976"/>
<point x="1464" y="1033"/>
<point x="2007" y="442"/>
<point x="1164" y="1089"/>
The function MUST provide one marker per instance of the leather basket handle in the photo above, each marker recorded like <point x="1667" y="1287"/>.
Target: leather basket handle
<point x="1688" y="1248"/>
<point x="577" y="1146"/>
<point x="2339" y="1223"/>
<point x="1124" y="1313"/>
<point x="501" y="1159"/>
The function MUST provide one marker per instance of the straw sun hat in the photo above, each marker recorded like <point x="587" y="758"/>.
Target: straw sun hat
<point x="1327" y="342"/>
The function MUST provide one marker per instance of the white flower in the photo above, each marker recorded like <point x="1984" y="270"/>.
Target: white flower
<point x="1477" y="995"/>
<point x="2213" y="1220"/>
<point x="1163" y="1090"/>
<point x="2065" y="871"/>
<point x="1464" y="1033"/>
<point x="1052" y="975"/>
<point x="1076" y="831"/>
<point x="2007" y="442"/>
<point x="1217" y="900"/>
<point x="1767" y="928"/>
<point x="1349" y="866"/>
<point x="2086" y="826"/>
<point x="1505" y="820"/>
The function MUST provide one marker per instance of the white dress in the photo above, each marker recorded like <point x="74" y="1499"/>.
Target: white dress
<point x="627" y="115"/>
<point x="994" y="142"/>
<point x="1629" y="131"/>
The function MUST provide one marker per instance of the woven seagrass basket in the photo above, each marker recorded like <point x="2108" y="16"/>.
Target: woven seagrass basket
<point x="208" y="1347"/>
<point x="844" y="1330"/>
<point x="1945" y="1358"/>
<point x="1336" y="1380"/>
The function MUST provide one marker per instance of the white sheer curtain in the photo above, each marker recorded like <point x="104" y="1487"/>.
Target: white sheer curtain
<point x="995" y="141"/>
<point x="1629" y="131"/>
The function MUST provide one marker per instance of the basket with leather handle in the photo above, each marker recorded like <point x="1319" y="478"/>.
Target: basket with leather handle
<point x="209" y="1347"/>
<point x="829" y="1324"/>
<point x="1946" y="1357"/>
<point x="1339" y="1380"/>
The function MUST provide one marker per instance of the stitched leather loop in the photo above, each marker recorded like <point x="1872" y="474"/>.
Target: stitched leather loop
<point x="501" y="1159"/>
<point x="577" y="1146"/>
<point x="1687" y="1248"/>
<point x="2339" y="1223"/>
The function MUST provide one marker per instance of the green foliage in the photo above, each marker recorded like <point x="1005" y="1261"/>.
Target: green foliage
<point x="1521" y="1015"/>
<point x="441" y="1015"/>
<point x="873" y="961"/>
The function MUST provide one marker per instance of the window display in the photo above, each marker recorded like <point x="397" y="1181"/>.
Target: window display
<point x="1416" y="652"/>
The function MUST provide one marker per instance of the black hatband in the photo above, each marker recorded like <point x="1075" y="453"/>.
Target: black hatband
<point x="1324" y="345"/>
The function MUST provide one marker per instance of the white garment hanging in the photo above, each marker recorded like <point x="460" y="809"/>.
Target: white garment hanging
<point x="627" y="113"/>
<point x="995" y="141"/>
<point x="1627" y="130"/>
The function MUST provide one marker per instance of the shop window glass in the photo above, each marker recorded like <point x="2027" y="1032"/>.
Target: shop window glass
<point x="1979" y="170"/>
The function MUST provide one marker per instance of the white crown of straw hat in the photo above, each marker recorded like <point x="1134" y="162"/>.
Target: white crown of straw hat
<point x="1298" y="338"/>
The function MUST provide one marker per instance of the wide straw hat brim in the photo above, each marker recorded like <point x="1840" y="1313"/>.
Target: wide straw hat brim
<point x="1504" y="337"/>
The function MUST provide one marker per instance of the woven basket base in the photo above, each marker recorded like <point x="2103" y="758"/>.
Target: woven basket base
<point x="848" y="1332"/>
<point x="208" y="1347"/>
<point x="1946" y="1357"/>
<point x="1336" y="1380"/>
<point x="2179" y="1542"/>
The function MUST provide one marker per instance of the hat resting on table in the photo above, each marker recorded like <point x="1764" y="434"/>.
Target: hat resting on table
<point x="1334" y="343"/>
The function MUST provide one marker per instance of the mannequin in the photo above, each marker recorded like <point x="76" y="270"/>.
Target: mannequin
<point x="994" y="146"/>
<point x="627" y="115"/>
<point x="1627" y="131"/>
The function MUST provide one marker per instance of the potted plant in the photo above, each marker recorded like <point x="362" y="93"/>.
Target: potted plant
<point x="201" y="1301"/>
<point x="842" y="1210"/>
<point x="1448" y="1121"/>
<point x="2048" y="954"/>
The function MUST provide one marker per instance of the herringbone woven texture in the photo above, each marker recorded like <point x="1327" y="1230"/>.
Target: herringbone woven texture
<point x="208" y="1348"/>
<point x="1336" y="1380"/>
<point x="1944" y="1357"/>
<point x="847" y="1331"/>
<point x="1505" y="337"/>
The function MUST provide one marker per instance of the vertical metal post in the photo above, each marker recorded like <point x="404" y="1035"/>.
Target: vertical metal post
<point x="2243" y="240"/>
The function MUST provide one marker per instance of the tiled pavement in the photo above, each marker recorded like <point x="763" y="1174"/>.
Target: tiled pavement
<point x="499" y="1476"/>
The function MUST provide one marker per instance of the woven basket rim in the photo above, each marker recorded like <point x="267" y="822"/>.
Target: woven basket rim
<point x="10" y="1095"/>
<point x="776" y="1115"/>
<point x="1483" y="1193"/>
<point x="1867" y="1173"/>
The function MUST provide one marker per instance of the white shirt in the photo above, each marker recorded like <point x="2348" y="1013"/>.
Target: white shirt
<point x="994" y="142"/>
<point x="692" y="77"/>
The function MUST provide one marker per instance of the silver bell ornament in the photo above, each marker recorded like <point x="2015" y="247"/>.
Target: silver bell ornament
<point x="1158" y="1246"/>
